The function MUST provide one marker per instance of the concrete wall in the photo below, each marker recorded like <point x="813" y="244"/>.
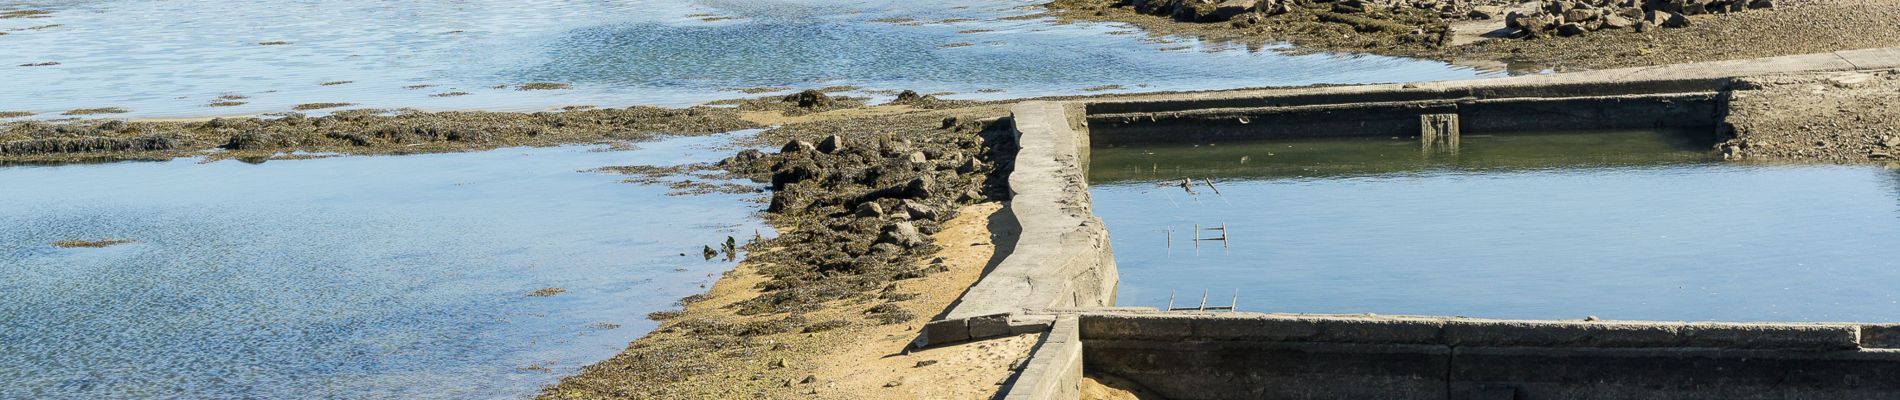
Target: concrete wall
<point x="1263" y="356"/>
<point x="1054" y="371"/>
<point x="1062" y="258"/>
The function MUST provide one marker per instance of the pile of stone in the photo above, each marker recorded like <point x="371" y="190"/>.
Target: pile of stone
<point x="1579" y="17"/>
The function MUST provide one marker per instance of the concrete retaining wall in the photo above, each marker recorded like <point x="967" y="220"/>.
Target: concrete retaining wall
<point x="1263" y="356"/>
<point x="1062" y="258"/>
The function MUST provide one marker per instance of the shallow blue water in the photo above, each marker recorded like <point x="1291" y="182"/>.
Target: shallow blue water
<point x="350" y="277"/>
<point x="1504" y="230"/>
<point x="173" y="58"/>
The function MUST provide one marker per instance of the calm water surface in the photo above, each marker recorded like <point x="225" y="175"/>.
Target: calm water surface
<point x="175" y="57"/>
<point x="1635" y="225"/>
<point x="352" y="277"/>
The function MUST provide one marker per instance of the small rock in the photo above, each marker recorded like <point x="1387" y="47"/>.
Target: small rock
<point x="916" y="210"/>
<point x="918" y="157"/>
<point x="831" y="145"/>
<point x="870" y="209"/>
<point x="1891" y="141"/>
<point x="908" y="96"/>
<point x="1592" y="318"/>
<point x="776" y="364"/>
<point x="795" y="146"/>
<point x="1571" y="29"/>
<point x="903" y="234"/>
<point x="920" y="188"/>
<point x="950" y="122"/>
<point x="809" y="99"/>
<point x="894" y="383"/>
<point x="1759" y="4"/>
<point x="808" y="379"/>
<point x="1615" y="22"/>
<point x="925" y="363"/>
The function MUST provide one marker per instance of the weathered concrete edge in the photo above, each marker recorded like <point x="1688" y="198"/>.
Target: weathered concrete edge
<point x="1692" y="77"/>
<point x="1469" y="332"/>
<point x="1054" y="370"/>
<point x="1062" y="256"/>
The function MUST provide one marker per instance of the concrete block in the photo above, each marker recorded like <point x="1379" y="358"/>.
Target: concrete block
<point x="1134" y="327"/>
<point x="1251" y="370"/>
<point x="1880" y="336"/>
<point x="946" y="331"/>
<point x="1675" y="373"/>
<point x="1021" y="324"/>
<point x="989" y="326"/>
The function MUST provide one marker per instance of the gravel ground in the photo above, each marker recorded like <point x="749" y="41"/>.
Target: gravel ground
<point x="1848" y="117"/>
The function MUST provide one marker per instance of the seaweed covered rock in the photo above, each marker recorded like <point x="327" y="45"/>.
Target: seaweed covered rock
<point x="809" y="99"/>
<point x="862" y="207"/>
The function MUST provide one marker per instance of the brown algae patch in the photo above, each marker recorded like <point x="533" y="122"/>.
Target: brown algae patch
<point x="226" y="103"/>
<point x="546" y="292"/>
<point x="335" y="83"/>
<point x="449" y="94"/>
<point x="97" y="111"/>
<point x="273" y="43"/>
<point x="543" y="86"/>
<point x="319" y="106"/>
<point x="41" y="64"/>
<point x="1103" y="88"/>
<point x="15" y="114"/>
<point x="956" y="45"/>
<point x="973" y="31"/>
<point x="89" y="244"/>
<point x="25" y="14"/>
<point x="349" y="132"/>
<point x="422" y="86"/>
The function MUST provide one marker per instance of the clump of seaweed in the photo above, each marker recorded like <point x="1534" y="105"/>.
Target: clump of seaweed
<point x="319" y="106"/>
<point x="546" y="292"/>
<point x="543" y="86"/>
<point x="95" y="111"/>
<point x="70" y="244"/>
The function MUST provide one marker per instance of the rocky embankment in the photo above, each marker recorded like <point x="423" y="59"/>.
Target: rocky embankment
<point x="1579" y="17"/>
<point x="1582" y="34"/>
<point x="859" y="202"/>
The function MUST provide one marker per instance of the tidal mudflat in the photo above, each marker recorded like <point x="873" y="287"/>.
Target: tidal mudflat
<point x="1619" y="225"/>
<point x="466" y="275"/>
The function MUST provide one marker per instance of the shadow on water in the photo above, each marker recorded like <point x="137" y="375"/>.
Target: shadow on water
<point x="1338" y="157"/>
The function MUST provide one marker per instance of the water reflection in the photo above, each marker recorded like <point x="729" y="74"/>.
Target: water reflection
<point x="1626" y="228"/>
<point x="349" y="277"/>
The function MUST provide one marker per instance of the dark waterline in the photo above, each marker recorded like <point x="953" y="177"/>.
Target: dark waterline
<point x="1629" y="225"/>
<point x="349" y="277"/>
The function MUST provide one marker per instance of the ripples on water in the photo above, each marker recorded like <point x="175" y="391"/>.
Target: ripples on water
<point x="1505" y="231"/>
<point x="352" y="277"/>
<point x="173" y="58"/>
